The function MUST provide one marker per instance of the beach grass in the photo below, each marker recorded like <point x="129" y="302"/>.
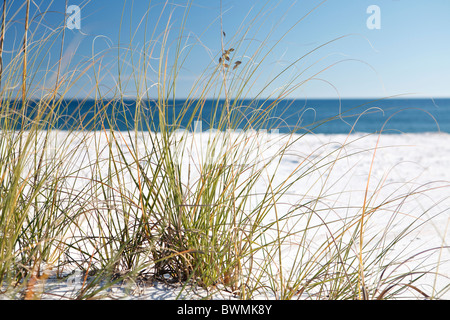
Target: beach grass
<point x="164" y="201"/>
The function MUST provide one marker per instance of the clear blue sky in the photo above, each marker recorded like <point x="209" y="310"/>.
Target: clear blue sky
<point x="409" y="54"/>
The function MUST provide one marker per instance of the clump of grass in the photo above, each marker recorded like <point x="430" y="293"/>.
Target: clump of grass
<point x="162" y="200"/>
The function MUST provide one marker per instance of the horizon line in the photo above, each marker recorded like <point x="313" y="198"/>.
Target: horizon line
<point x="404" y="97"/>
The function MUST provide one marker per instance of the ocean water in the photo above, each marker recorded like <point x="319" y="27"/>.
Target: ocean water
<point x="315" y="115"/>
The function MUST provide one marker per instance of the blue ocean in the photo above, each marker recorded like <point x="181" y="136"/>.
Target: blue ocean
<point x="328" y="116"/>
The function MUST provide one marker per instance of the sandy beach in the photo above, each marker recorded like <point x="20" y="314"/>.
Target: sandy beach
<point x="349" y="170"/>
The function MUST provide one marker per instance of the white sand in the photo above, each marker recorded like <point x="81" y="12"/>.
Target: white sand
<point x="402" y="164"/>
